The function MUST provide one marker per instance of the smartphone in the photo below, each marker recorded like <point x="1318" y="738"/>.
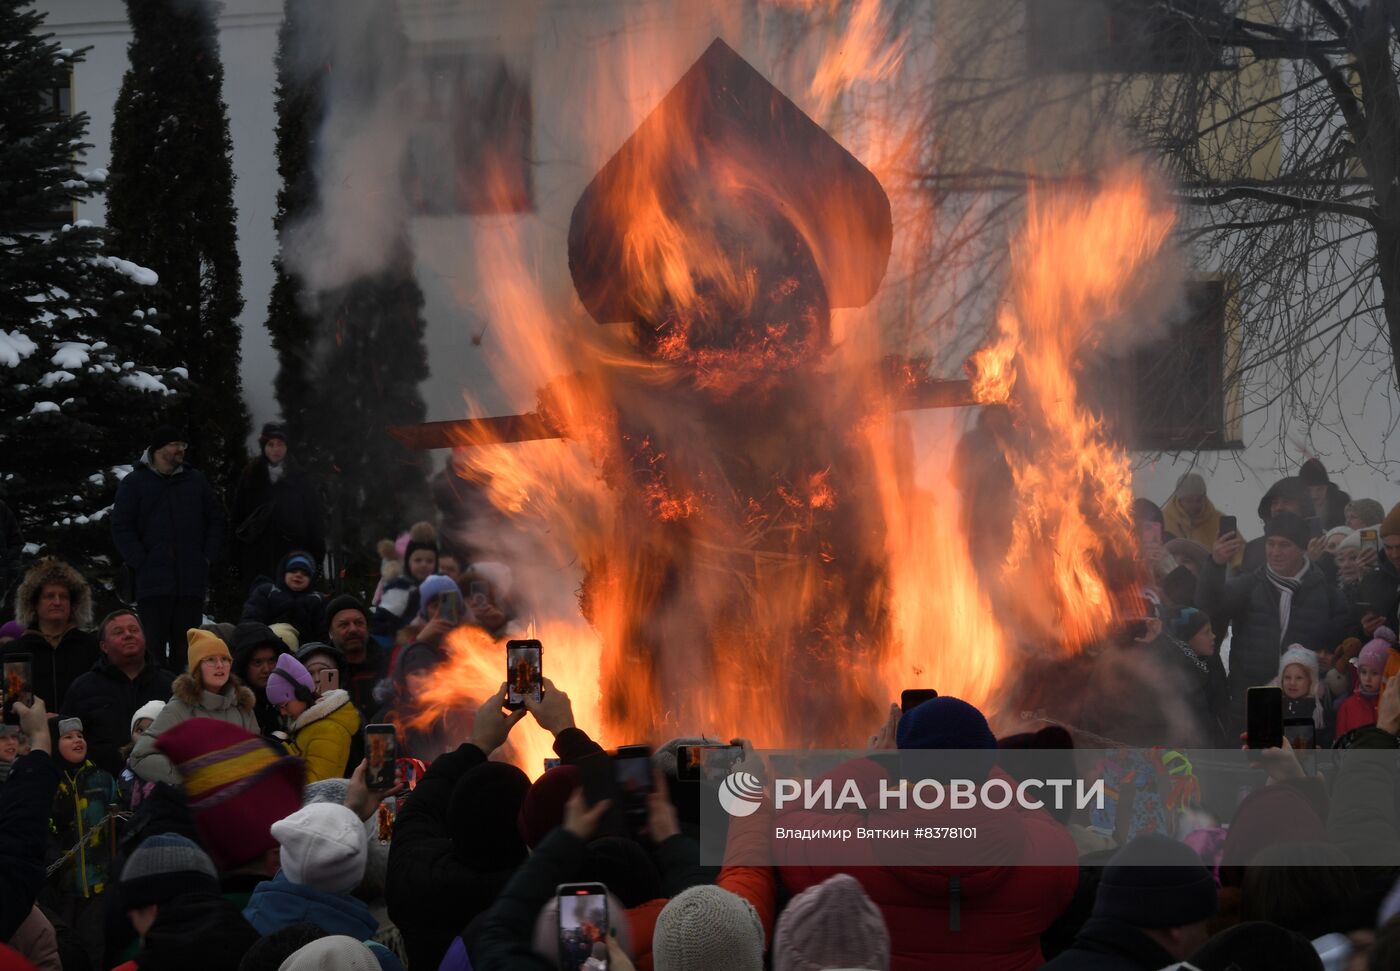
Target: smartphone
<point x="911" y="698"/>
<point x="1302" y="735"/>
<point x="18" y="673"/>
<point x="1371" y="538"/>
<point x="583" y="926"/>
<point x="478" y="593"/>
<point x="552" y="764"/>
<point x="327" y="679"/>
<point x="633" y="774"/>
<point x="691" y="759"/>
<point x="1228" y="525"/>
<point x="1315" y="526"/>
<point x="524" y="672"/>
<point x="450" y="607"/>
<point x="1264" y="717"/>
<point x="382" y="750"/>
<point x="596" y="775"/>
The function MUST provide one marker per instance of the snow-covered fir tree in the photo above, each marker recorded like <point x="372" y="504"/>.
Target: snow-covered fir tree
<point x="170" y="207"/>
<point x="78" y="330"/>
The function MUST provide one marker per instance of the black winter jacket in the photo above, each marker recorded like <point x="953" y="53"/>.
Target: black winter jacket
<point x="1317" y="620"/>
<point x="168" y="529"/>
<point x="56" y="668"/>
<point x="25" y="801"/>
<point x="269" y="520"/>
<point x="271" y="603"/>
<point x="105" y="699"/>
<point x="1111" y="945"/>
<point x="248" y="636"/>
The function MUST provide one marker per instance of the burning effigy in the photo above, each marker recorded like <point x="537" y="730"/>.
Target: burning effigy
<point x="734" y="485"/>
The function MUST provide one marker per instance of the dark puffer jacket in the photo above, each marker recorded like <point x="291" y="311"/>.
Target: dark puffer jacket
<point x="272" y="603"/>
<point x="1250" y="603"/>
<point x="247" y="638"/>
<point x="105" y="699"/>
<point x="168" y="528"/>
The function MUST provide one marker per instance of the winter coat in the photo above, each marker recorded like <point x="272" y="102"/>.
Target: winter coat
<point x="168" y="529"/>
<point x="1103" y="944"/>
<point x="1357" y="711"/>
<point x="431" y="892"/>
<point x="323" y="735"/>
<point x="26" y="800"/>
<point x="248" y="636"/>
<point x="80" y="819"/>
<point x="234" y="705"/>
<point x="270" y="519"/>
<point x="105" y="699"/>
<point x="279" y="903"/>
<point x="979" y="918"/>
<point x="272" y="603"/>
<point x="1203" y="529"/>
<point x="1361" y="816"/>
<point x="1203" y="691"/>
<point x="56" y="668"/>
<point x="194" y="931"/>
<point x="1316" y="620"/>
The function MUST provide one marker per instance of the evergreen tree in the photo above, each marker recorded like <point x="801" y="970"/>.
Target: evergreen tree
<point x="78" y="393"/>
<point x="170" y="207"/>
<point x="350" y="358"/>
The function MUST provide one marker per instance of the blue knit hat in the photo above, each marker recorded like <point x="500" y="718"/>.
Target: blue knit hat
<point x="433" y="586"/>
<point x="947" y="723"/>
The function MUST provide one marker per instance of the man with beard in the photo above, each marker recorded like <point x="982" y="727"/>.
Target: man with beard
<point x="347" y="630"/>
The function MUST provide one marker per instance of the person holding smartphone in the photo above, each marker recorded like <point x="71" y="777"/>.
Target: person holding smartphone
<point x="1189" y="513"/>
<point x="440" y="613"/>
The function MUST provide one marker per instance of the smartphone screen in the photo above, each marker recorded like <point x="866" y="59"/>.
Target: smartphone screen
<point x="1264" y="717"/>
<point x="478" y="593"/>
<point x="1227" y="526"/>
<point x="327" y="679"/>
<point x="382" y="750"/>
<point x="19" y="684"/>
<point x="1315" y="526"/>
<point x="1370" y="538"/>
<point x="911" y="698"/>
<point x="691" y="759"/>
<point x="632" y="771"/>
<point x="596" y="775"/>
<point x="450" y="606"/>
<point x="524" y="672"/>
<point x="583" y="926"/>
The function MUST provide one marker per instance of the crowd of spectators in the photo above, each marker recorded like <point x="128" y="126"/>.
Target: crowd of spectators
<point x="186" y="792"/>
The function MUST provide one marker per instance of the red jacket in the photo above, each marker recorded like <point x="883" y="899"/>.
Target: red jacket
<point x="976" y="918"/>
<point x="1357" y="711"/>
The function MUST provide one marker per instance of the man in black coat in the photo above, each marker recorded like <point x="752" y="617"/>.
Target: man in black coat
<point x="1289" y="600"/>
<point x="54" y="603"/>
<point x="276" y="509"/>
<point x="168" y="525"/>
<point x="1150" y="910"/>
<point x="124" y="678"/>
<point x="1288" y="494"/>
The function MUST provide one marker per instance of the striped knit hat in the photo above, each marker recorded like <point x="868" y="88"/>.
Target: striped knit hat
<point x="237" y="786"/>
<point x="164" y="867"/>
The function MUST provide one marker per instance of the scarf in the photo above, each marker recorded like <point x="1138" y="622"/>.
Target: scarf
<point x="1190" y="655"/>
<point x="275" y="472"/>
<point x="1287" y="587"/>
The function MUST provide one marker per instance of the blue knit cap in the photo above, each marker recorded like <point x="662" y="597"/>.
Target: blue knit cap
<point x="433" y="586"/>
<point x="947" y="723"/>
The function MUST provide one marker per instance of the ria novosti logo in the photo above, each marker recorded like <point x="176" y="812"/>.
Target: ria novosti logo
<point x="741" y="793"/>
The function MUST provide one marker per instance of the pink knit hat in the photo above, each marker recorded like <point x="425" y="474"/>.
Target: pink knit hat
<point x="1377" y="650"/>
<point x="831" y="925"/>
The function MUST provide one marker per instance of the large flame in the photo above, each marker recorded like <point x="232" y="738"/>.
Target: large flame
<point x="738" y="537"/>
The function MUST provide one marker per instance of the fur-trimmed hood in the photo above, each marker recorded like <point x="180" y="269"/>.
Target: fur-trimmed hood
<point x="184" y="689"/>
<point x="328" y="704"/>
<point x="53" y="570"/>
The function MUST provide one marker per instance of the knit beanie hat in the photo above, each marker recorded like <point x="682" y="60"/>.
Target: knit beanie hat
<point x="1367" y="511"/>
<point x="422" y="536"/>
<point x="335" y="953"/>
<point x="485" y="802"/>
<point x="831" y="925"/>
<point x="1189" y="623"/>
<point x="203" y="644"/>
<point x="945" y="723"/>
<point x="164" y="435"/>
<point x="1390" y="525"/>
<point x="270" y="952"/>
<point x="237" y="786"/>
<point x="1257" y="945"/>
<point x="150" y="709"/>
<point x="287" y="634"/>
<point x="11" y="628"/>
<point x="164" y="867"/>
<point x="1377" y="650"/>
<point x="66" y="725"/>
<point x="543" y="808"/>
<point x="1189" y="485"/>
<point x="323" y="846"/>
<point x="290" y="674"/>
<point x="343" y="602"/>
<point x="327" y="790"/>
<point x="434" y="586"/>
<point x="299" y="560"/>
<point x="1349" y="539"/>
<point x="1313" y="473"/>
<point x="1302" y="656"/>
<point x="1155" y="881"/>
<point x="1289" y="526"/>
<point x="271" y="430"/>
<point x="705" y="928"/>
<point x="415" y="656"/>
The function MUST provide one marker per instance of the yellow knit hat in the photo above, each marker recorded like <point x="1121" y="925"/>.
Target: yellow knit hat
<point x="204" y="644"/>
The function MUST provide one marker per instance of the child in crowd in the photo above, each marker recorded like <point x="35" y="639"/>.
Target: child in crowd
<point x="396" y="601"/>
<point x="131" y="788"/>
<point x="83" y="834"/>
<point x="1362" y="706"/>
<point x="1298" y="676"/>
<point x="322" y="725"/>
<point x="291" y="598"/>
